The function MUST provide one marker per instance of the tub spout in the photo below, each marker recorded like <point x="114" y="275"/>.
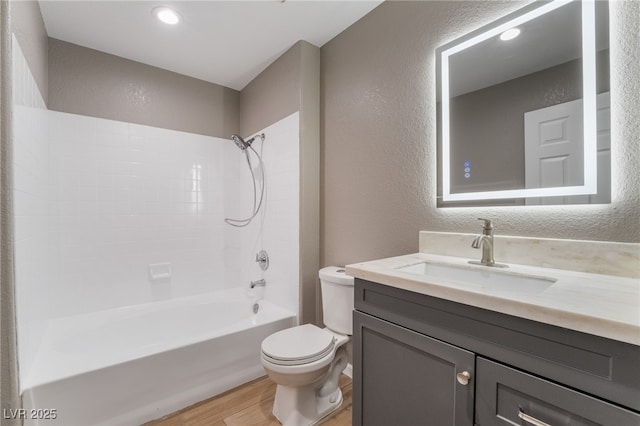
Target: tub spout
<point x="258" y="283"/>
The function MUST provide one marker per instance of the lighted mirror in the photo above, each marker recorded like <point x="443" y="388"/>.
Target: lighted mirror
<point x="523" y="109"/>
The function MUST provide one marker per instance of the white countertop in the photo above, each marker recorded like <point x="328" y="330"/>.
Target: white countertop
<point x="602" y="305"/>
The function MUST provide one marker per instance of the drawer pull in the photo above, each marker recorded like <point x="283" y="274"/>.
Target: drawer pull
<point x="527" y="418"/>
<point x="463" y="378"/>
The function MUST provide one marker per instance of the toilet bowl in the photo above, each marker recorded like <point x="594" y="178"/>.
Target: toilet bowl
<point x="306" y="361"/>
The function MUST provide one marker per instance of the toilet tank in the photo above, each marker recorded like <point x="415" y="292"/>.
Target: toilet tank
<point x="337" y="299"/>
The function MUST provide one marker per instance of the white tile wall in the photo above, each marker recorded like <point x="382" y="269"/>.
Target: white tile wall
<point x="30" y="204"/>
<point x="276" y="228"/>
<point x="122" y="196"/>
<point x="128" y="196"/>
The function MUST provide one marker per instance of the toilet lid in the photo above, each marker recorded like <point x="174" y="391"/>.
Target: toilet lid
<point x="304" y="343"/>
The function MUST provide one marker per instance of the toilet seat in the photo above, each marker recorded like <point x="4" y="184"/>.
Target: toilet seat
<point x="298" y="345"/>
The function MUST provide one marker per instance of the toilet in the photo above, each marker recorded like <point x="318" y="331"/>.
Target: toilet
<point x="306" y="361"/>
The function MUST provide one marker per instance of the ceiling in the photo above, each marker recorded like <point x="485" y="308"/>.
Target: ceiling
<point x="223" y="42"/>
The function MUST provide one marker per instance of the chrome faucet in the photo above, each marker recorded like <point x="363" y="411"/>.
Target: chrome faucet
<point x="485" y="241"/>
<point x="258" y="283"/>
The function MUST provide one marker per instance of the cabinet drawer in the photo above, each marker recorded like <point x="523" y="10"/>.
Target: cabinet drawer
<point x="505" y="396"/>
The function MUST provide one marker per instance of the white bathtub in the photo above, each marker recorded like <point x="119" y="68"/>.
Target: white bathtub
<point x="134" y="364"/>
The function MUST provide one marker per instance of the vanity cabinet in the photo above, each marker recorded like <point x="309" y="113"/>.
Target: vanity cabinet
<point x="420" y="360"/>
<point x="411" y="377"/>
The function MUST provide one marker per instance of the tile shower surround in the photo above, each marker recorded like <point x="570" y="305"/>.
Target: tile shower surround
<point x="124" y="196"/>
<point x="97" y="201"/>
<point x="127" y="196"/>
<point x="280" y="214"/>
<point x="30" y="202"/>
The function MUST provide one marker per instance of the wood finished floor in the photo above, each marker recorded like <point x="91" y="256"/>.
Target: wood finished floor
<point x="248" y="405"/>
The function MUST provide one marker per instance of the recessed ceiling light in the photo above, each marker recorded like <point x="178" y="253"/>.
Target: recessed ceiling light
<point x="166" y="15"/>
<point x="510" y="34"/>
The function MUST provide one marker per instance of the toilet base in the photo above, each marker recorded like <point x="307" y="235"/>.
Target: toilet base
<point x="301" y="406"/>
<point x="305" y="398"/>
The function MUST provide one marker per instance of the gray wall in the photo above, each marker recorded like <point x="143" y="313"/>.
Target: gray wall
<point x="28" y="26"/>
<point x="8" y="364"/>
<point x="379" y="136"/>
<point x="274" y="94"/>
<point x="88" y="82"/>
<point x="290" y="84"/>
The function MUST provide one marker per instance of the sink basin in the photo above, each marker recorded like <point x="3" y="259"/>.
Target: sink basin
<point x="481" y="277"/>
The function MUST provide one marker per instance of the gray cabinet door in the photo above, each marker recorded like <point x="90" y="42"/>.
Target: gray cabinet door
<point x="403" y="378"/>
<point x="506" y="396"/>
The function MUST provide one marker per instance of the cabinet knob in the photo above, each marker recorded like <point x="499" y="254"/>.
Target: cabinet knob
<point x="463" y="378"/>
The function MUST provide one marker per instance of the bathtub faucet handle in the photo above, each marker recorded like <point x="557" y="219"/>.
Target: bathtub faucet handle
<point x="258" y="283"/>
<point x="263" y="260"/>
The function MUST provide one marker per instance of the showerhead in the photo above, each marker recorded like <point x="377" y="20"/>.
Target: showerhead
<point x="242" y="144"/>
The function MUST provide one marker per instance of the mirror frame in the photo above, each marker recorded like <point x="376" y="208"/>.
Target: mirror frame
<point x="493" y="29"/>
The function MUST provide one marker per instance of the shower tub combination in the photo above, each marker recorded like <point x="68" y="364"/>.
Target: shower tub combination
<point x="133" y="364"/>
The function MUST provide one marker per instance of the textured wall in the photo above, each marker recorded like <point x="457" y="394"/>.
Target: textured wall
<point x="272" y="95"/>
<point x="379" y="136"/>
<point x="88" y="82"/>
<point x="9" y="396"/>
<point x="310" y="183"/>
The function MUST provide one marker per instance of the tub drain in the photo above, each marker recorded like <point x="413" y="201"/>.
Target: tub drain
<point x="256" y="308"/>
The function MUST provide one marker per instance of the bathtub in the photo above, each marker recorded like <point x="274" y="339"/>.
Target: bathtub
<point x="133" y="364"/>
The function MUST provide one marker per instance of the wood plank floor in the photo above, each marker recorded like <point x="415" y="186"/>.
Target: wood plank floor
<point x="248" y="405"/>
